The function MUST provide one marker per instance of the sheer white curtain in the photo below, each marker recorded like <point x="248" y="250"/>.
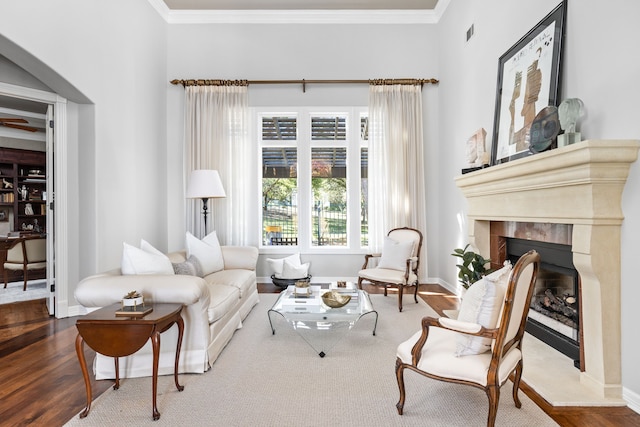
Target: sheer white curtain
<point x="396" y="162"/>
<point x="217" y="137"/>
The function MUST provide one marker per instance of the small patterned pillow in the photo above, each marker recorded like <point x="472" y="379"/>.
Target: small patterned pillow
<point x="190" y="267"/>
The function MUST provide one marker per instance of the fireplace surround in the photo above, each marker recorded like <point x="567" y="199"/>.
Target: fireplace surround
<point x="579" y="186"/>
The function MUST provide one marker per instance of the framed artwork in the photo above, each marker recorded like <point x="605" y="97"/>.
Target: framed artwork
<point x="4" y="215"/>
<point x="528" y="81"/>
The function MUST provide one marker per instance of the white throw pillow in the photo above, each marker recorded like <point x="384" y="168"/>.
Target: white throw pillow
<point x="277" y="265"/>
<point x="144" y="261"/>
<point x="291" y="271"/>
<point x="481" y="304"/>
<point x="207" y="251"/>
<point x="395" y="254"/>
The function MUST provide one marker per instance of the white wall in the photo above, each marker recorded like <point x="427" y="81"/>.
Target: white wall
<point x="600" y="67"/>
<point x="110" y="58"/>
<point x="264" y="52"/>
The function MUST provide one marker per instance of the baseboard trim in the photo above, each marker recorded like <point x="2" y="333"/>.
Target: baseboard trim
<point x="632" y="398"/>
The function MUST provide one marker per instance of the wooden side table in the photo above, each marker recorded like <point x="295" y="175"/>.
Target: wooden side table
<point x="116" y="336"/>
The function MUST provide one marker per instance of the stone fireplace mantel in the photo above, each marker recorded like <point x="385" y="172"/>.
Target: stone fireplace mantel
<point x="580" y="185"/>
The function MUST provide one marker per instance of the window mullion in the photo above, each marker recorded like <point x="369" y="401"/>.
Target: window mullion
<point x="304" y="180"/>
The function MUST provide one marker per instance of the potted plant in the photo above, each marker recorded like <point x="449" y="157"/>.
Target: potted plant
<point x="473" y="266"/>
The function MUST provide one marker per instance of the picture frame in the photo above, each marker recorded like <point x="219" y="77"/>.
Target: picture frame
<point x="529" y="75"/>
<point x="4" y="215"/>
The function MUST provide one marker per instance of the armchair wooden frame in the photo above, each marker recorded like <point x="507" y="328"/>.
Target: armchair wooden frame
<point x="504" y="336"/>
<point x="412" y="266"/>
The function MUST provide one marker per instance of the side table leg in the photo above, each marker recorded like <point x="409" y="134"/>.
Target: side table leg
<point x="116" y="385"/>
<point x="180" y="323"/>
<point x="85" y="374"/>
<point x="155" y="342"/>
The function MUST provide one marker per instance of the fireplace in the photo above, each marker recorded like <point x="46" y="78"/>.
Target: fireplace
<point x="578" y="186"/>
<point x="554" y="314"/>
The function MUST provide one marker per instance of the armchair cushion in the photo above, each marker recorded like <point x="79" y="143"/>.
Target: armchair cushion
<point x="481" y="304"/>
<point x="207" y="251"/>
<point x="395" y="254"/>
<point x="384" y="275"/>
<point x="438" y="358"/>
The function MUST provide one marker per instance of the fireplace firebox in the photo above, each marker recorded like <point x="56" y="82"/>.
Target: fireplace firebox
<point x="554" y="314"/>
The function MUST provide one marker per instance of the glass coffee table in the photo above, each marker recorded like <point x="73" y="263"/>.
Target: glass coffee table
<point x="318" y="324"/>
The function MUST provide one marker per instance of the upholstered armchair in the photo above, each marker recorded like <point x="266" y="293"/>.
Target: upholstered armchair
<point x="481" y="348"/>
<point x="398" y="263"/>
<point x="25" y="255"/>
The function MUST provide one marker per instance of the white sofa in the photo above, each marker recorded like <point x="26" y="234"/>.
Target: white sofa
<point x="214" y="308"/>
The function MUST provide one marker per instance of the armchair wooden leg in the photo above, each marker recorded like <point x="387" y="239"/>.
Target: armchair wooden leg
<point x="6" y="279"/>
<point x="24" y="288"/>
<point x="516" y="384"/>
<point x="400" y="289"/>
<point x="415" y="293"/>
<point x="400" y="378"/>
<point x="360" y="283"/>
<point x="493" y="393"/>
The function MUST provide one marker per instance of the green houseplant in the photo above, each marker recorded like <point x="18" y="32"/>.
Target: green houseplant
<point x="472" y="268"/>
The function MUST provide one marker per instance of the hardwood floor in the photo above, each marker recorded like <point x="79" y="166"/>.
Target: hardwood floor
<point x="42" y="383"/>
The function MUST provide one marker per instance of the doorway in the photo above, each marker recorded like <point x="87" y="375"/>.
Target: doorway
<point x="54" y="109"/>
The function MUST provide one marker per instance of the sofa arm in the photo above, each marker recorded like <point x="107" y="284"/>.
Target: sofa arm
<point x="240" y="257"/>
<point x="105" y="289"/>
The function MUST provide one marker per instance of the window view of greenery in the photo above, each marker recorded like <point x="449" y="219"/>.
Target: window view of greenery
<point x="328" y="195"/>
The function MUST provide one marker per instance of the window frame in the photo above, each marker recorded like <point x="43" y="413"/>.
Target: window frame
<point x="304" y="144"/>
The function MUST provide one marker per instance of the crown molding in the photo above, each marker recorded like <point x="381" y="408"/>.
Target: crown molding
<point x="300" y="16"/>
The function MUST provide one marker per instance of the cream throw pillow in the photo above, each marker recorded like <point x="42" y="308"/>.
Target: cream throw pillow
<point x="395" y="254"/>
<point x="277" y="265"/>
<point x="291" y="271"/>
<point x="207" y="251"/>
<point x="144" y="260"/>
<point x="481" y="304"/>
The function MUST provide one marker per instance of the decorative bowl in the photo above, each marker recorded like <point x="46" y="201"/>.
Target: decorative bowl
<point x="335" y="299"/>
<point x="285" y="283"/>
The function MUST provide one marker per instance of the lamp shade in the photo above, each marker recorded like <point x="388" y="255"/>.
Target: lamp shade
<point x="205" y="184"/>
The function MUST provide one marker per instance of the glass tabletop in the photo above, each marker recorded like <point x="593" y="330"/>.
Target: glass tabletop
<point x="318" y="324"/>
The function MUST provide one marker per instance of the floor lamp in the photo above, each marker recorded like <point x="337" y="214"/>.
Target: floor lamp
<point x="205" y="184"/>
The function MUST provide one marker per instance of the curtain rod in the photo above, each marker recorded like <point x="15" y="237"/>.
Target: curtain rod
<point x="303" y="82"/>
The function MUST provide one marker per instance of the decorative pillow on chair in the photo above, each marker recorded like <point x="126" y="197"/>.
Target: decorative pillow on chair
<point x="277" y="265"/>
<point x="291" y="271"/>
<point x="395" y="254"/>
<point x="207" y="251"/>
<point x="147" y="260"/>
<point x="481" y="304"/>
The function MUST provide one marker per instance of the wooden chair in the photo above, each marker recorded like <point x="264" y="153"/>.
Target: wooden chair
<point x="26" y="254"/>
<point x="405" y="272"/>
<point x="432" y="351"/>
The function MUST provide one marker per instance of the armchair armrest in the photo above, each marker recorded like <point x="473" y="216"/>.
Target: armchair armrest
<point x="469" y="328"/>
<point x="367" y="257"/>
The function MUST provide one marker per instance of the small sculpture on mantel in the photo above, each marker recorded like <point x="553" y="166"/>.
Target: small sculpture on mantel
<point x="569" y="111"/>
<point x="476" y="155"/>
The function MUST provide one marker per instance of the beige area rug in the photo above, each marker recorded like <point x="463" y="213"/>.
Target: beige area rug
<point x="262" y="379"/>
<point x="36" y="289"/>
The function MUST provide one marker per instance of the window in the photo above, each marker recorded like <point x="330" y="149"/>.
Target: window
<point x="313" y="178"/>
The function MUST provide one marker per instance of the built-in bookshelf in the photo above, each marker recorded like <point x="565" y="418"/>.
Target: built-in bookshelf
<point x="23" y="190"/>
